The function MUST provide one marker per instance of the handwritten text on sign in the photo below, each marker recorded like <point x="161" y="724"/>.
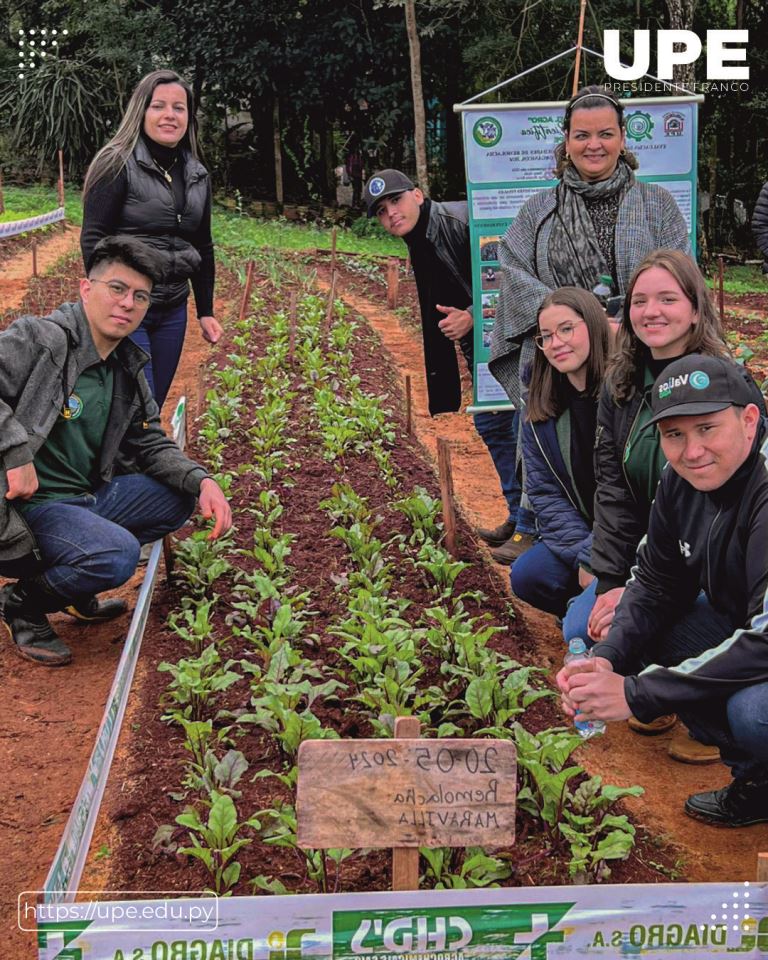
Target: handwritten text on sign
<point x="406" y="793"/>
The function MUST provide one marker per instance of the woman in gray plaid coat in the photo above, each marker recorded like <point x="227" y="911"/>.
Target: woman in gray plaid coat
<point x="598" y="221"/>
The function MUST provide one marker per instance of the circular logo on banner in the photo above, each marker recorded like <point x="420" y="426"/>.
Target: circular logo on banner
<point x="72" y="408"/>
<point x="376" y="186"/>
<point x="699" y="380"/>
<point x="487" y="132"/>
<point x="639" y="126"/>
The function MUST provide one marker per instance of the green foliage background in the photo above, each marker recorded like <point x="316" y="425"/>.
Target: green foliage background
<point x="339" y="75"/>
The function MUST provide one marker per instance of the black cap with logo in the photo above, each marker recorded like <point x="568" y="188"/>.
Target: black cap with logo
<point x="384" y="184"/>
<point x="696" y="384"/>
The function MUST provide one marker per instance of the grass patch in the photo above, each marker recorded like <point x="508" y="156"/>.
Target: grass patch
<point x="242" y="235"/>
<point x="24" y="202"/>
<point x="738" y="279"/>
<point x="246" y="235"/>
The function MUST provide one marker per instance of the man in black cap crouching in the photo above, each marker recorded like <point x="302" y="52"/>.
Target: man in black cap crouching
<point x="705" y="555"/>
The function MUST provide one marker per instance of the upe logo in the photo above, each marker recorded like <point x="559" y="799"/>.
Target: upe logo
<point x="722" y="48"/>
<point x="487" y="132"/>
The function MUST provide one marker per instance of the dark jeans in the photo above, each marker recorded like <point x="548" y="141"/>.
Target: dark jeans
<point x="738" y="724"/>
<point x="498" y="431"/>
<point x="161" y="335"/>
<point x="540" y="578"/>
<point x="92" y="542"/>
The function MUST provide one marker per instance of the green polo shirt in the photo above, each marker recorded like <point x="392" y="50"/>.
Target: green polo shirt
<point x="67" y="464"/>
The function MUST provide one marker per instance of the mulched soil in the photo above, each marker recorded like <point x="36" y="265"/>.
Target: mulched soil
<point x="145" y="792"/>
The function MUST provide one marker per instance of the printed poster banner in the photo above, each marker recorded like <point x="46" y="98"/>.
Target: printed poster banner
<point x="509" y="155"/>
<point x="659" y="921"/>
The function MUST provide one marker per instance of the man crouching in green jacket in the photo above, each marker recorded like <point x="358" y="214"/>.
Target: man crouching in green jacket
<point x="88" y="475"/>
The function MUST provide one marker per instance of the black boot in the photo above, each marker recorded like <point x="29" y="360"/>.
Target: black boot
<point x="23" y="608"/>
<point x="742" y="803"/>
<point x="93" y="610"/>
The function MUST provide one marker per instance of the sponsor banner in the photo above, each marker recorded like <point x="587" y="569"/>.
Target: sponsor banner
<point x="67" y="867"/>
<point x="14" y="227"/>
<point x="660" y="921"/>
<point x="509" y="155"/>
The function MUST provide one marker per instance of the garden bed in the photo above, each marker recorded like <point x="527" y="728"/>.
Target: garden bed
<point x="333" y="608"/>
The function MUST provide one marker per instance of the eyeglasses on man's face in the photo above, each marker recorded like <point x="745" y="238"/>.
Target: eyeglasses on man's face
<point x="117" y="290"/>
<point x="563" y="332"/>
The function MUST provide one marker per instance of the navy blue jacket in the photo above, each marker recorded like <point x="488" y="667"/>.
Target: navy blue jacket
<point x="560" y="520"/>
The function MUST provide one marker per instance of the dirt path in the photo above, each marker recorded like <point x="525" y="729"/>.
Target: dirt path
<point x="49" y="718"/>
<point x="621" y="757"/>
<point x="16" y="273"/>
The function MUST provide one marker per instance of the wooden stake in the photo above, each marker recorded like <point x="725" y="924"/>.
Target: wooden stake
<point x="61" y="178"/>
<point x="393" y="282"/>
<point x="200" y="391"/>
<point x="168" y="556"/>
<point x="577" y="66"/>
<point x="762" y="868"/>
<point x="34" y="257"/>
<point x="334" y="234"/>
<point x="331" y="299"/>
<point x="408" y="266"/>
<point x="2" y="200"/>
<point x="405" y="860"/>
<point x="292" y="311"/>
<point x="408" y="406"/>
<point x="247" y="290"/>
<point x="722" y="292"/>
<point x="446" y="494"/>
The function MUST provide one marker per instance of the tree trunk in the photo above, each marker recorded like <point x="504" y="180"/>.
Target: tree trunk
<point x="419" y="119"/>
<point x="278" y="151"/>
<point x="681" y="18"/>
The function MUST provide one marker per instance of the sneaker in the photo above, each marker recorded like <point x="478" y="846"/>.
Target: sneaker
<point x="498" y="536"/>
<point x="515" y="547"/>
<point x="742" y="803"/>
<point x="32" y="635"/>
<point x="684" y="747"/>
<point x="94" y="610"/>
<point x="655" y="727"/>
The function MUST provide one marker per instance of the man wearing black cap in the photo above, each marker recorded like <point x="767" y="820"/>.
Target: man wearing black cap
<point x="705" y="554"/>
<point x="437" y="236"/>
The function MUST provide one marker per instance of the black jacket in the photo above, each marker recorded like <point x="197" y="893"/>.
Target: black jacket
<point x="447" y="233"/>
<point x="760" y="224"/>
<point x="140" y="202"/>
<point x="621" y="513"/>
<point x="716" y="542"/>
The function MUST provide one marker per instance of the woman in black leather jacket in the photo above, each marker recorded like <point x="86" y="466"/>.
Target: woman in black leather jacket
<point x="148" y="181"/>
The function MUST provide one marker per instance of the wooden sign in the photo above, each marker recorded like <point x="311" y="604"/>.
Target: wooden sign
<point x="406" y="793"/>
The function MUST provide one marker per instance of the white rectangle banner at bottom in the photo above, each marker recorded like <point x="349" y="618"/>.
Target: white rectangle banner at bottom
<point x="660" y="921"/>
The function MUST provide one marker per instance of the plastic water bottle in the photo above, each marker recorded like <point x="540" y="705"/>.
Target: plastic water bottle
<point x="604" y="288"/>
<point x="577" y="650"/>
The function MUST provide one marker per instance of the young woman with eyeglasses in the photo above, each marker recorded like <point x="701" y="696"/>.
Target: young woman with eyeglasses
<point x="559" y="423"/>
<point x="668" y="313"/>
<point x="148" y="181"/>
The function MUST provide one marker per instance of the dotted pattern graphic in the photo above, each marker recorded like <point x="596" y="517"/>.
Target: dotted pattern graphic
<point x="34" y="47"/>
<point x="739" y="911"/>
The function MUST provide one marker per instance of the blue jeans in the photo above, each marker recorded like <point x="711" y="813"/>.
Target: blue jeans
<point x="161" y="335"/>
<point x="738" y="724"/>
<point x="498" y="431"/>
<point x="540" y="577"/>
<point x="91" y="543"/>
<point x="577" y="615"/>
